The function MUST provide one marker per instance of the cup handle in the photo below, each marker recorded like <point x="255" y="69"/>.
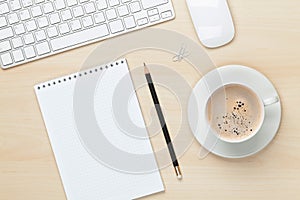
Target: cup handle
<point x="271" y="101"/>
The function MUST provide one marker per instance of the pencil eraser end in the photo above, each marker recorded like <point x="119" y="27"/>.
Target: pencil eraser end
<point x="179" y="177"/>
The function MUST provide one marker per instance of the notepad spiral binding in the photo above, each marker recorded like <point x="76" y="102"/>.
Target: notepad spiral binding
<point x="78" y="75"/>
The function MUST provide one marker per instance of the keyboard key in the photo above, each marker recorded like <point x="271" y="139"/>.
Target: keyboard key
<point x="129" y="22"/>
<point x="19" y="29"/>
<point x="111" y="14"/>
<point x="78" y="11"/>
<point x="15" y="5"/>
<point x="17" y="42"/>
<point x="18" y="55"/>
<point x="116" y="26"/>
<point x="59" y="4"/>
<point x="42" y="48"/>
<point x="40" y="35"/>
<point x="71" y="2"/>
<point x="4" y="46"/>
<point x="26" y="3"/>
<point x="24" y="14"/>
<point x="48" y="8"/>
<point x="36" y="11"/>
<point x="29" y="52"/>
<point x="79" y="37"/>
<point x="89" y="7"/>
<point x="28" y="38"/>
<point x="99" y="18"/>
<point x="66" y="15"/>
<point x="3" y="22"/>
<point x="152" y="3"/>
<point x="54" y="18"/>
<point x="6" y="59"/>
<point x="101" y="4"/>
<point x="52" y="32"/>
<point x="64" y="28"/>
<point x="30" y="25"/>
<point x="166" y="14"/>
<point x="113" y="2"/>
<point x="13" y="18"/>
<point x="87" y="21"/>
<point x="42" y="22"/>
<point x="4" y="8"/>
<point x="75" y="25"/>
<point x="153" y="12"/>
<point x="6" y="33"/>
<point x="142" y="21"/>
<point x="135" y="7"/>
<point x="154" y="18"/>
<point x="123" y="10"/>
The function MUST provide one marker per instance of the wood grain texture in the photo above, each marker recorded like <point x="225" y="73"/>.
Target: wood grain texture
<point x="267" y="39"/>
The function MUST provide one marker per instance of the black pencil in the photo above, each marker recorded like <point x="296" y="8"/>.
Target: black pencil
<point x="162" y="122"/>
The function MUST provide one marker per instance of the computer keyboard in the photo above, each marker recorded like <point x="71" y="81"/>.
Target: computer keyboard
<point x="33" y="29"/>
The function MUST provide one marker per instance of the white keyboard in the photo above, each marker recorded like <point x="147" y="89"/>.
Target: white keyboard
<point x="33" y="29"/>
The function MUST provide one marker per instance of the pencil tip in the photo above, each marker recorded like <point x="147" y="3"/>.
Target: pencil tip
<point x="146" y="70"/>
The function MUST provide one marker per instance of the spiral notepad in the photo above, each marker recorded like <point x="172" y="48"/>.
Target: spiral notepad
<point x="76" y="145"/>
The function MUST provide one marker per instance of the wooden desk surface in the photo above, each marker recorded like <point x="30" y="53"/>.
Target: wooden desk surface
<point x="267" y="39"/>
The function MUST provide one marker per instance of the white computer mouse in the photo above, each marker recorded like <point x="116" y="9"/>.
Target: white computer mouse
<point x="213" y="22"/>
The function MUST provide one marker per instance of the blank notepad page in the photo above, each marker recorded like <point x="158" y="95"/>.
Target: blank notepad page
<point x="97" y="154"/>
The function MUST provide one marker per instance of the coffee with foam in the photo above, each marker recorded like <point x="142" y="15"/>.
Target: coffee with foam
<point x="234" y="112"/>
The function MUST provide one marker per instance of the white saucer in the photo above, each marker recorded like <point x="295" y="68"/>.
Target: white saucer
<point x="197" y="112"/>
